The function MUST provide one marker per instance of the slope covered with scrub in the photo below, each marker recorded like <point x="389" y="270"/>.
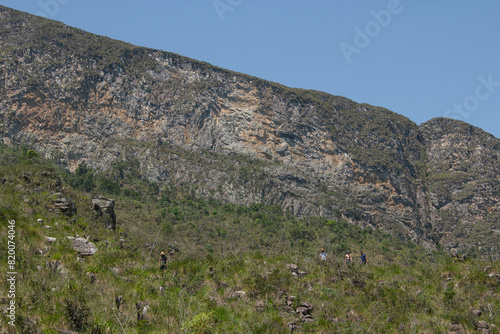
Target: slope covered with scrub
<point x="230" y="270"/>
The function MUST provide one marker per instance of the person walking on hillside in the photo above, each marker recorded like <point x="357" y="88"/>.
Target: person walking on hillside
<point x="363" y="258"/>
<point x="348" y="257"/>
<point x="163" y="262"/>
<point x="322" y="254"/>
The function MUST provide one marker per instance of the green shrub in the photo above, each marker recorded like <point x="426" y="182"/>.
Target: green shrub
<point x="77" y="311"/>
<point x="31" y="154"/>
<point x="449" y="294"/>
<point x="202" y="323"/>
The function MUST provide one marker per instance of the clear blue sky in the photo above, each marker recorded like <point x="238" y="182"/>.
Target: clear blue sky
<point x="422" y="59"/>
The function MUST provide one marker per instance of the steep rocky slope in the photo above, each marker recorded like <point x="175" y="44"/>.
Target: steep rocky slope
<point x="76" y="97"/>
<point x="461" y="184"/>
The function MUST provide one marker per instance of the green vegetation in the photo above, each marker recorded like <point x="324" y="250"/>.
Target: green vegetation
<point x="231" y="272"/>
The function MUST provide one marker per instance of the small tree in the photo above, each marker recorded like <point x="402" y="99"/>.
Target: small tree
<point x="31" y="154"/>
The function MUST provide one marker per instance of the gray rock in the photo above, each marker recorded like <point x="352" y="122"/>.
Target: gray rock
<point x="476" y="312"/>
<point x="105" y="207"/>
<point x="84" y="247"/>
<point x="302" y="309"/>
<point x="482" y="325"/>
<point x="93" y="277"/>
<point x="66" y="206"/>
<point x="239" y="294"/>
<point x="308" y="318"/>
<point x="456" y="329"/>
<point x="260" y="305"/>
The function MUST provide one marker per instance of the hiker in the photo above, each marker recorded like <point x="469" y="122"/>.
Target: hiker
<point x="163" y="262"/>
<point x="363" y="258"/>
<point x="323" y="254"/>
<point x="348" y="257"/>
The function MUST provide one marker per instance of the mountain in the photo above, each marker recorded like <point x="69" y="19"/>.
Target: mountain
<point x="78" y="97"/>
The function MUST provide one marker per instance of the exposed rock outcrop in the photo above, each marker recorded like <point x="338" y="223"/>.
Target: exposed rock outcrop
<point x="76" y="97"/>
<point x="66" y="206"/>
<point x="105" y="207"/>
<point x="83" y="246"/>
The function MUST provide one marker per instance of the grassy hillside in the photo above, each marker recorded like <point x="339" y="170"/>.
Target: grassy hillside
<point x="229" y="271"/>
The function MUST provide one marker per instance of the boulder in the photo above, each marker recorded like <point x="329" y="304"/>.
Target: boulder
<point x="119" y="301"/>
<point x="142" y="308"/>
<point x="239" y="294"/>
<point x="292" y="325"/>
<point x="260" y="305"/>
<point x="482" y="325"/>
<point x="456" y="329"/>
<point x="222" y="285"/>
<point x="294" y="269"/>
<point x="93" y="277"/>
<point x="105" y="207"/>
<point x="304" y="311"/>
<point x="476" y="312"/>
<point x="66" y="206"/>
<point x="83" y="246"/>
<point x="308" y="318"/>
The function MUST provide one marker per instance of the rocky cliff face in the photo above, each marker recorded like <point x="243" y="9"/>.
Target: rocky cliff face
<point x="75" y="96"/>
<point x="461" y="186"/>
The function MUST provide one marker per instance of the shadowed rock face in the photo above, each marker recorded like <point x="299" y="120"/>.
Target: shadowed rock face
<point x="75" y="96"/>
<point x="66" y="206"/>
<point x="105" y="207"/>
<point x="462" y="184"/>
